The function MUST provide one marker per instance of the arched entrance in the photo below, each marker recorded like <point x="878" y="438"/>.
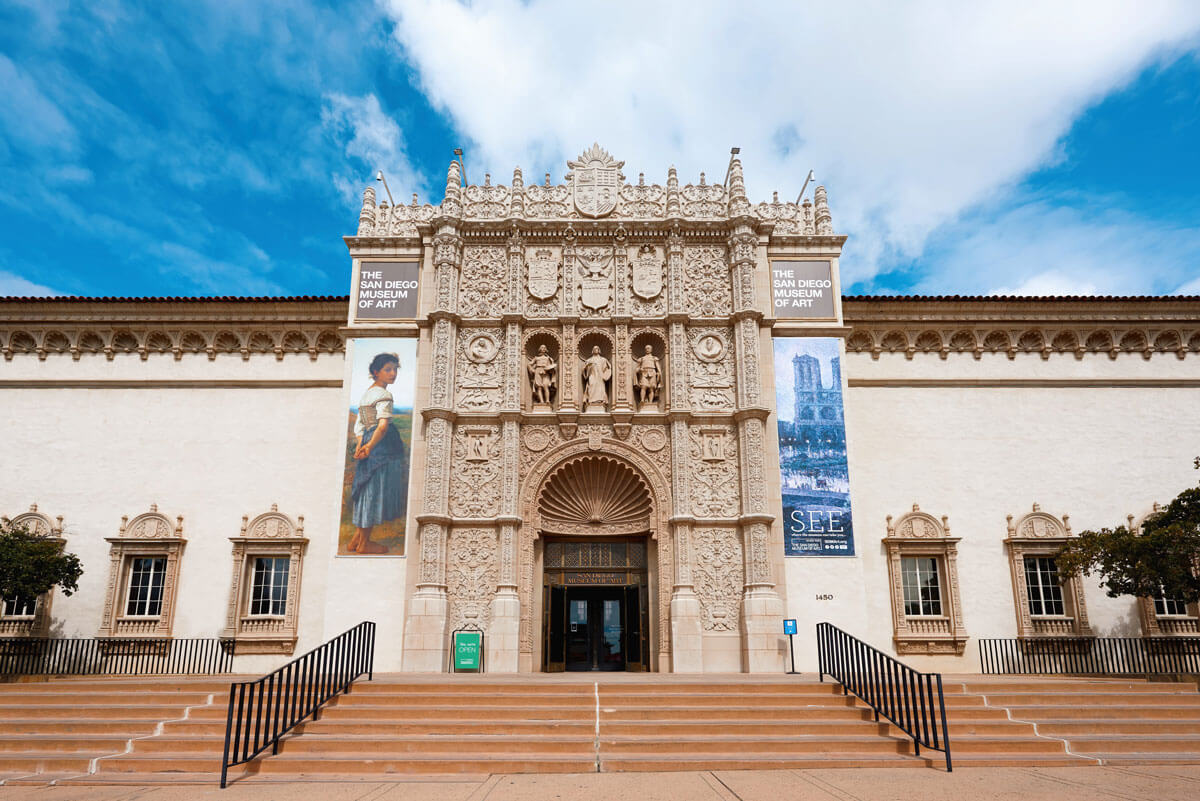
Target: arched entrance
<point x="597" y="556"/>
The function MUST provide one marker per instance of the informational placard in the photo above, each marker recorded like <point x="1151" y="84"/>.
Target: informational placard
<point x="789" y="626"/>
<point x="387" y="290"/>
<point x="802" y="290"/>
<point x="468" y="646"/>
<point x="814" y="476"/>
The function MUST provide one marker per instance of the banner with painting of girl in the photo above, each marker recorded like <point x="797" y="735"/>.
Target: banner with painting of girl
<point x="378" y="447"/>
<point x="815" y="479"/>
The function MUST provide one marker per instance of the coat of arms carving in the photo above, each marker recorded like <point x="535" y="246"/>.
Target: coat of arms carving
<point x="595" y="286"/>
<point x="647" y="273"/>
<point x="595" y="181"/>
<point x="543" y="275"/>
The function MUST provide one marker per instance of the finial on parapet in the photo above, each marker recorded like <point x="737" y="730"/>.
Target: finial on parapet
<point x="739" y="204"/>
<point x="673" y="209"/>
<point x="824" y="220"/>
<point x="517" y="205"/>
<point x="366" y="217"/>
<point x="453" y="179"/>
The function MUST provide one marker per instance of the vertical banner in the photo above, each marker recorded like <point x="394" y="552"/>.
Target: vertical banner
<point x="812" y="448"/>
<point x="378" y="447"/>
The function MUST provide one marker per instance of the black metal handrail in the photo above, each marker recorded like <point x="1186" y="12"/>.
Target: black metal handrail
<point x="109" y="656"/>
<point x="270" y="707"/>
<point x="910" y="700"/>
<point x="1090" y="656"/>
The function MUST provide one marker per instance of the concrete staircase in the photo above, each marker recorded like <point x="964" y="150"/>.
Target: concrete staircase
<point x="150" y="730"/>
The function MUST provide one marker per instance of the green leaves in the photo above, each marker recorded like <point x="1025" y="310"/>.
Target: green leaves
<point x="1162" y="561"/>
<point x="31" y="565"/>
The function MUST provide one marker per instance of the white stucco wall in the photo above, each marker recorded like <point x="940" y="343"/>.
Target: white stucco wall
<point x="1109" y="447"/>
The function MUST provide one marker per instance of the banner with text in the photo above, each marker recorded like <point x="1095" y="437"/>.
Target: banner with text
<point x="802" y="290"/>
<point x="387" y="290"/>
<point x="815" y="479"/>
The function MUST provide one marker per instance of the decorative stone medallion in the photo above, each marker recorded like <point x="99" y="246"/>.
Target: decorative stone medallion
<point x="482" y="349"/>
<point x="595" y="181"/>
<point x="536" y="439"/>
<point x="654" y="440"/>
<point x="709" y="348"/>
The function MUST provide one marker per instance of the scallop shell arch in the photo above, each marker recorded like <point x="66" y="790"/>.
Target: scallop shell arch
<point x="594" y="494"/>
<point x="659" y="500"/>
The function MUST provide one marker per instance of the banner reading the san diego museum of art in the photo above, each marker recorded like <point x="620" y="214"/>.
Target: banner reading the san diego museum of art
<point x="812" y="448"/>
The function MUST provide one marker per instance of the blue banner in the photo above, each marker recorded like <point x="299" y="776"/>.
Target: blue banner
<point x="815" y="479"/>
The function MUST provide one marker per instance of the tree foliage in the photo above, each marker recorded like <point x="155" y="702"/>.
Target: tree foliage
<point x="1163" y="560"/>
<point x="31" y="565"/>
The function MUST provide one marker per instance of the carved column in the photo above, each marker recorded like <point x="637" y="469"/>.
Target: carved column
<point x="762" y="608"/>
<point x="425" y="629"/>
<point x="503" y="648"/>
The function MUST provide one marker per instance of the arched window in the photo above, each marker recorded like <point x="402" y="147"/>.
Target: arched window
<point x="923" y="567"/>
<point x="1047" y="605"/>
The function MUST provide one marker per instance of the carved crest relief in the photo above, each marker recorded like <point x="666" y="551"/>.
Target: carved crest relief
<point x="595" y="181"/>
<point x="647" y="273"/>
<point x="595" y="278"/>
<point x="543" y="275"/>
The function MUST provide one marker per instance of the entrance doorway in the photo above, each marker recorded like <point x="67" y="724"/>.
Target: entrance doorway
<point x="596" y="605"/>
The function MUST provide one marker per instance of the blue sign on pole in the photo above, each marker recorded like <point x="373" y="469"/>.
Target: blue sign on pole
<point x="789" y="627"/>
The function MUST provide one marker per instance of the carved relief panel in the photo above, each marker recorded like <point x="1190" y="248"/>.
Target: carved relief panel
<point x="594" y="266"/>
<point x="480" y="378"/>
<point x="706" y="281"/>
<point x="475" y="474"/>
<point x="714" y="471"/>
<point x="481" y="284"/>
<point x="647" y="280"/>
<point x="711" y="369"/>
<point x="471" y="576"/>
<point x="717" y="573"/>
<point x="543" y="279"/>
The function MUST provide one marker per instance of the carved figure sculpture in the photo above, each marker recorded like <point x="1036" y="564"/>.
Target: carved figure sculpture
<point x="649" y="377"/>
<point x="541" y="376"/>
<point x="596" y="370"/>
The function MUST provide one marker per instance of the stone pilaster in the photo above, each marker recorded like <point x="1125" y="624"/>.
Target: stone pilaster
<point x="503" y="647"/>
<point x="687" y="634"/>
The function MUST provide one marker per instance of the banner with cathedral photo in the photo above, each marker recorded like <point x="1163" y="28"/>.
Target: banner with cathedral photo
<point x="815" y="479"/>
<point x="379" y="428"/>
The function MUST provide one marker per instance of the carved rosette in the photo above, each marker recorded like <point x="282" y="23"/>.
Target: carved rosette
<point x="717" y="575"/>
<point x="475" y="477"/>
<point x="706" y="290"/>
<point x="535" y="439"/>
<point x="710" y="368"/>
<point x="471" y="576"/>
<point x="714" y="471"/>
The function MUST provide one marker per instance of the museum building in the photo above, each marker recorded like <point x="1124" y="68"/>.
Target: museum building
<point x="612" y="425"/>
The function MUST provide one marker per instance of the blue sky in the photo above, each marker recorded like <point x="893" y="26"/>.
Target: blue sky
<point x="220" y="147"/>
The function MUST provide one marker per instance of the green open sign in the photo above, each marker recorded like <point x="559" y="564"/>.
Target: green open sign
<point x="468" y="648"/>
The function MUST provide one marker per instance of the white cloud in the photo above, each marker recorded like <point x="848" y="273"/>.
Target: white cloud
<point x="29" y="117"/>
<point x="1046" y="247"/>
<point x="16" y="286"/>
<point x="368" y="135"/>
<point x="909" y="112"/>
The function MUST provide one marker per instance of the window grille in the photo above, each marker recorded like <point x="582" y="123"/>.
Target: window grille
<point x="146" y="578"/>
<point x="1045" y="593"/>
<point x="269" y="592"/>
<point x="922" y="588"/>
<point x="20" y="607"/>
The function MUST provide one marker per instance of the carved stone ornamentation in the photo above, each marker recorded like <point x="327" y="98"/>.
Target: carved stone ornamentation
<point x="534" y="440"/>
<point x="647" y="268"/>
<point x="717" y="576"/>
<point x="150" y="535"/>
<point x="710" y="369"/>
<point x="1039" y="535"/>
<point x="595" y="181"/>
<point x="595" y="268"/>
<point x="264" y="630"/>
<point x="472" y="574"/>
<point x="920" y="535"/>
<point x="706" y="281"/>
<point x="714" y="472"/>
<point x="543" y="269"/>
<point x="480" y="378"/>
<point x="482" y="285"/>
<point x="475" y="476"/>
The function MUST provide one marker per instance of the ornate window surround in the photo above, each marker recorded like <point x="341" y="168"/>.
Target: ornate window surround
<point x="1154" y="625"/>
<point x="149" y="534"/>
<point x="37" y="624"/>
<point x="270" y="534"/>
<point x="1041" y="534"/>
<point x="918" y="533"/>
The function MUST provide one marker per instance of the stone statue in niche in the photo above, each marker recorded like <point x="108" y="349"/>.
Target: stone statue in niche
<point x="596" y="371"/>
<point x="649" y="377"/>
<point x="541" y="377"/>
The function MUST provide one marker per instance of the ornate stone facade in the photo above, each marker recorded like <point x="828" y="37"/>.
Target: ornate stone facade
<point x="548" y="304"/>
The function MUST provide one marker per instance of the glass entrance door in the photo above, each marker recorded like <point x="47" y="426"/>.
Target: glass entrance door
<point x="595" y="622"/>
